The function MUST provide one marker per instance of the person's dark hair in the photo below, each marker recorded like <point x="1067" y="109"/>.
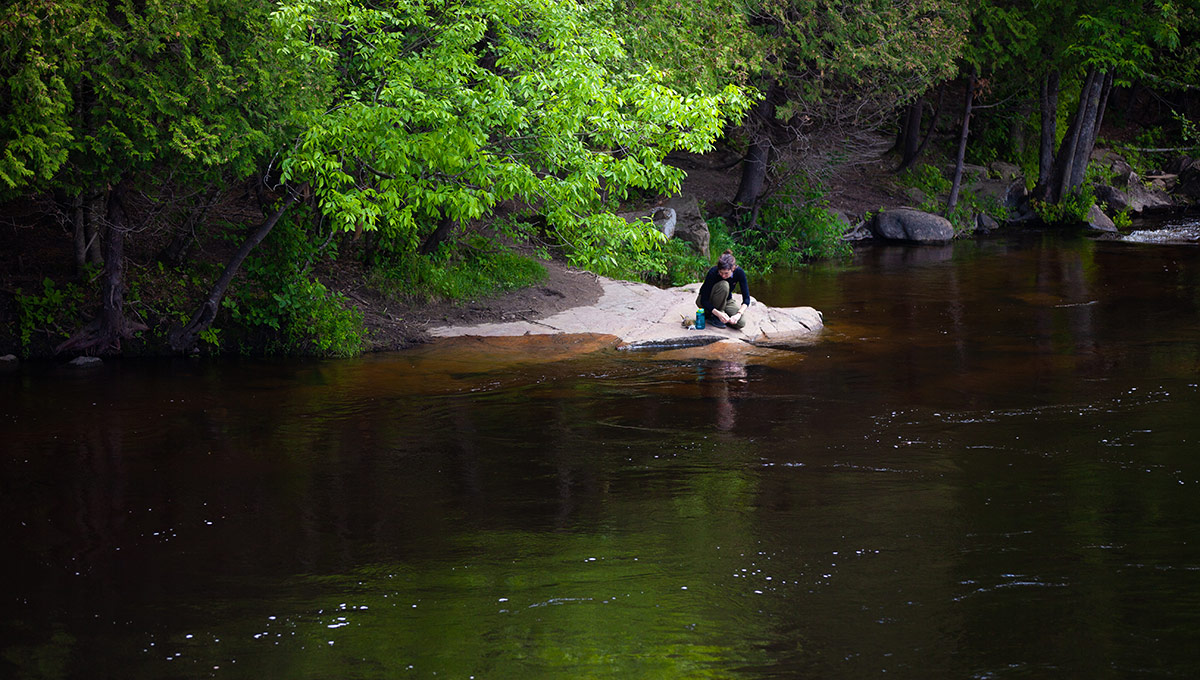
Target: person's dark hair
<point x="726" y="261"/>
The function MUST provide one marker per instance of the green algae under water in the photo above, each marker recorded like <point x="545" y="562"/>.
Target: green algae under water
<point x="987" y="467"/>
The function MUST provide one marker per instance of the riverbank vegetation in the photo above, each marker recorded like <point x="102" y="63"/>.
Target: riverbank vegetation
<point x="207" y="177"/>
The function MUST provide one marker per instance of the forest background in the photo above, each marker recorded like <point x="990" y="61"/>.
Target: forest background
<point x="244" y="176"/>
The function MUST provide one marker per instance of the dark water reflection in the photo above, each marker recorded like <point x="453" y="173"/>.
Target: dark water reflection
<point x="987" y="468"/>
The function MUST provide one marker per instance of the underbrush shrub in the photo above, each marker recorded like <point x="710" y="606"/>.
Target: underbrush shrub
<point x="794" y="226"/>
<point x="1071" y="210"/>
<point x="281" y="308"/>
<point x="47" y="316"/>
<point x="474" y="268"/>
<point x="161" y="296"/>
<point x="935" y="186"/>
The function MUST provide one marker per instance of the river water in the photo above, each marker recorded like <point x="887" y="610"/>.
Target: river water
<point x="988" y="466"/>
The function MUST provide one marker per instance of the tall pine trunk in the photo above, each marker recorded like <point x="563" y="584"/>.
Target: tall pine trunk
<point x="1049" y="106"/>
<point x="910" y="136"/>
<point x="103" y="335"/>
<point x="956" y="183"/>
<point x="907" y="162"/>
<point x="1064" y="159"/>
<point x="1087" y="132"/>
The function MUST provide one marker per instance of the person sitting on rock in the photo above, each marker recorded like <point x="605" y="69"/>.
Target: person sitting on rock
<point x="716" y="293"/>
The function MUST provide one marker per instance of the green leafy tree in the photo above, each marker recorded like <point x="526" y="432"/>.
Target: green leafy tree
<point x="108" y="101"/>
<point x="444" y="110"/>
<point x="833" y="69"/>
<point x="1094" y="46"/>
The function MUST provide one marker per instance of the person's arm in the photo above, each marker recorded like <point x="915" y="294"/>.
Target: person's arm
<point x="740" y="275"/>
<point x="744" y="282"/>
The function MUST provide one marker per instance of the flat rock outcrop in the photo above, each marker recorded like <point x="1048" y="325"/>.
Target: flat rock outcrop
<point x="641" y="316"/>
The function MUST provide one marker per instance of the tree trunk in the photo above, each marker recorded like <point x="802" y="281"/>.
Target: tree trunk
<point x="439" y="236"/>
<point x="183" y="338"/>
<point x="103" y="335"/>
<point x="956" y="183"/>
<point x="95" y="227"/>
<point x="754" y="172"/>
<point x="1049" y="103"/>
<point x="1060" y="178"/>
<point x="1097" y="102"/>
<point x="1087" y="132"/>
<point x="912" y="133"/>
<point x="933" y="122"/>
<point x="80" y="233"/>
<point x="758" y="155"/>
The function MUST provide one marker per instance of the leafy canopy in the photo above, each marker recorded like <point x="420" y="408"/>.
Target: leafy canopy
<point x="444" y="109"/>
<point x="91" y="92"/>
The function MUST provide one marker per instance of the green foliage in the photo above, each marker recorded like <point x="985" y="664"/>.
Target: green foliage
<point x="711" y="41"/>
<point x="1073" y="209"/>
<point x="296" y="313"/>
<point x="55" y="311"/>
<point x="801" y="227"/>
<point x="482" y="101"/>
<point x="473" y="270"/>
<point x="935" y="186"/>
<point x="160" y="295"/>
<point x="794" y="227"/>
<point x="927" y="178"/>
<point x="1122" y="220"/>
<point x="682" y="264"/>
<point x="93" y="92"/>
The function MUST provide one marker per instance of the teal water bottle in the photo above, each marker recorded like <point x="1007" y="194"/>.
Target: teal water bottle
<point x="700" y="319"/>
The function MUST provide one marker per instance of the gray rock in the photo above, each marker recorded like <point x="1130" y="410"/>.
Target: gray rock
<point x="1006" y="172"/>
<point x="915" y="196"/>
<point x="8" y="359"/>
<point x="1096" y="219"/>
<point x="85" y="362"/>
<point x="914" y="226"/>
<point x="1188" y="184"/>
<point x="1114" y="163"/>
<point x="1008" y="194"/>
<point x="1114" y="198"/>
<point x="662" y="218"/>
<point x="985" y="223"/>
<point x="664" y="221"/>
<point x="689" y="222"/>
<point x="1178" y="165"/>
<point x="1135" y="196"/>
<point x="640" y="316"/>
<point x="1125" y="180"/>
<point x="971" y="173"/>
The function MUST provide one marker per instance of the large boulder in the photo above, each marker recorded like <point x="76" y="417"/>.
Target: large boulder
<point x="1112" y="163"/>
<point x="985" y="223"/>
<point x="1187" y="185"/>
<point x="1096" y="219"/>
<point x="913" y="226"/>
<point x="1008" y="193"/>
<point x="640" y="316"/>
<point x="1006" y="172"/>
<point x="1129" y="193"/>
